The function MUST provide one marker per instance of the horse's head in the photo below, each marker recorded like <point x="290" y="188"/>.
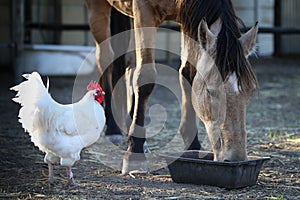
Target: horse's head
<point x="221" y="92"/>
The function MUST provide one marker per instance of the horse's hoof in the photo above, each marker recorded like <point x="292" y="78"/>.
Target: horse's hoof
<point x="134" y="162"/>
<point x="115" y="139"/>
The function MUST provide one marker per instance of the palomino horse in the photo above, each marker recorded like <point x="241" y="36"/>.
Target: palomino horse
<point x="214" y="55"/>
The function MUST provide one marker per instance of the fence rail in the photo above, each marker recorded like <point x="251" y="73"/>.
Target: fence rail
<point x="85" y="27"/>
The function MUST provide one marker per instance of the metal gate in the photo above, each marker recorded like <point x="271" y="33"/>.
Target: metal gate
<point x="288" y="16"/>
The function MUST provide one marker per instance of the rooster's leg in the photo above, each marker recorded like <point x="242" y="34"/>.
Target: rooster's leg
<point x="70" y="176"/>
<point x="51" y="176"/>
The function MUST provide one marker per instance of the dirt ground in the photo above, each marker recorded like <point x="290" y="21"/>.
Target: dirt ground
<point x="273" y="124"/>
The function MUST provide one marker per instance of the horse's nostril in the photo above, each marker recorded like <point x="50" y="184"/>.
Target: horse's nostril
<point x="227" y="160"/>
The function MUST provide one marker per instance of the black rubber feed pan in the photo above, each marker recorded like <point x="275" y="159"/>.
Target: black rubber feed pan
<point x="198" y="167"/>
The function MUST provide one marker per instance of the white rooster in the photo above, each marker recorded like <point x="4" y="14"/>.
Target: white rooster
<point x="60" y="131"/>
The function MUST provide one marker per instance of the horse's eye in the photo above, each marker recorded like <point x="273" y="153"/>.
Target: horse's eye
<point x="213" y="93"/>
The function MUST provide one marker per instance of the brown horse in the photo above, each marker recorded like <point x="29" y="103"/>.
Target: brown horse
<point x="215" y="75"/>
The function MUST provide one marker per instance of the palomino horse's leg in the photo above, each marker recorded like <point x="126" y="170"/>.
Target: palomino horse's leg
<point x="188" y="127"/>
<point x="130" y="59"/>
<point x="99" y="21"/>
<point x="143" y="82"/>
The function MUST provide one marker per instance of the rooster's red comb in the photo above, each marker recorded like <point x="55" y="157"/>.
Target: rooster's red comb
<point x="94" y="85"/>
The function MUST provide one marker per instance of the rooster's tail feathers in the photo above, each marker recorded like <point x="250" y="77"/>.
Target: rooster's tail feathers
<point x="31" y="90"/>
<point x="33" y="96"/>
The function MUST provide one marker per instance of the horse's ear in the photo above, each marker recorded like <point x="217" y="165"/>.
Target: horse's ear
<point x="205" y="37"/>
<point x="248" y="40"/>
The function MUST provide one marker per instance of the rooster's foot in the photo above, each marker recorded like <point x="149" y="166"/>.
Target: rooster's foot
<point x="71" y="182"/>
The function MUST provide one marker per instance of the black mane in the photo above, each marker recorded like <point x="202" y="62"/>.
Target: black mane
<point x="229" y="52"/>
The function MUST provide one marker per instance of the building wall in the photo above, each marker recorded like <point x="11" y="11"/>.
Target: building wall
<point x="5" y="36"/>
<point x="262" y="11"/>
<point x="74" y="11"/>
<point x="290" y="17"/>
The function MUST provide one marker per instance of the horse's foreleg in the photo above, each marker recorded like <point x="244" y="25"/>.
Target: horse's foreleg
<point x="144" y="77"/>
<point x="99" y="21"/>
<point x="188" y="127"/>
